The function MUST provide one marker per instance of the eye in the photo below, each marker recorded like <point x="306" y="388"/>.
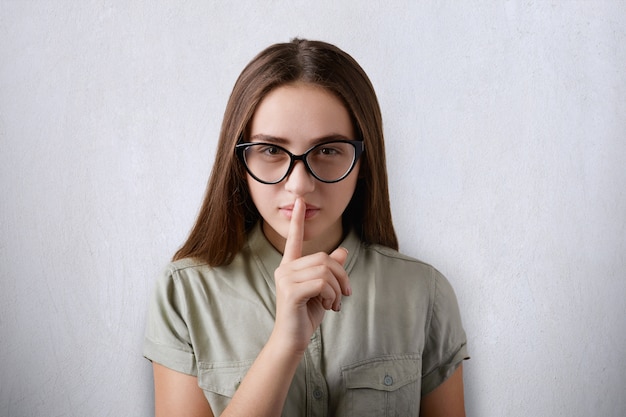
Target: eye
<point x="267" y="152"/>
<point x="271" y="150"/>
<point x="328" y="151"/>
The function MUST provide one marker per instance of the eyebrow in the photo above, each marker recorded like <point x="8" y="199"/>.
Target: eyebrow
<point x="282" y="141"/>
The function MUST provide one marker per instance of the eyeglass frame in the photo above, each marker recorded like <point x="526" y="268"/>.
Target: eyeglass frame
<point x="359" y="148"/>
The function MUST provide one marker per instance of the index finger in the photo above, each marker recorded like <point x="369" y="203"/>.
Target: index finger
<point x="295" y="236"/>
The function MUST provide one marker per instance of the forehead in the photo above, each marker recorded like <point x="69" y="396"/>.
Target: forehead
<point x="301" y="112"/>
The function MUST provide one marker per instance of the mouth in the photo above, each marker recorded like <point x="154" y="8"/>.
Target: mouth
<point x="310" y="212"/>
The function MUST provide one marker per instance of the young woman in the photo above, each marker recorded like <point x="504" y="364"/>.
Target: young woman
<point x="289" y="296"/>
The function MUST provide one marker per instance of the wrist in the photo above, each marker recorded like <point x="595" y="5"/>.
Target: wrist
<point x="285" y="348"/>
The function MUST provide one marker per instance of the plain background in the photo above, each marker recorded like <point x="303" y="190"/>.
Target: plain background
<point x="505" y="124"/>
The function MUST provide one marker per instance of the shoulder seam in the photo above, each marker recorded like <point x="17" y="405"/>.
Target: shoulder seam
<point x="391" y="253"/>
<point x="182" y="264"/>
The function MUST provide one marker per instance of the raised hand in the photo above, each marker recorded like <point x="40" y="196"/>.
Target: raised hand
<point x="306" y="286"/>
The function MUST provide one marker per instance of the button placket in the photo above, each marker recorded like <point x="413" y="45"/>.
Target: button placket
<point x="317" y="403"/>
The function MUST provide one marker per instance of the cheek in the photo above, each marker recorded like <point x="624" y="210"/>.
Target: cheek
<point x="262" y="195"/>
<point x="340" y="194"/>
<point x="351" y="182"/>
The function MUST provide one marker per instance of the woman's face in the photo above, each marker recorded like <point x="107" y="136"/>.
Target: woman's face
<point x="297" y="117"/>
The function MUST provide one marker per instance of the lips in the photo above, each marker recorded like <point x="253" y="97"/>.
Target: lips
<point x="311" y="211"/>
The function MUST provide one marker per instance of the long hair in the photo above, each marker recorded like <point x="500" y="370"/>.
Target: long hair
<point x="228" y="213"/>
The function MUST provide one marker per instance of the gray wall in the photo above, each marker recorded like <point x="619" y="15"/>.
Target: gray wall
<point x="505" y="125"/>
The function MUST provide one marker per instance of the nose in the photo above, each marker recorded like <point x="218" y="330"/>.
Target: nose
<point x="299" y="181"/>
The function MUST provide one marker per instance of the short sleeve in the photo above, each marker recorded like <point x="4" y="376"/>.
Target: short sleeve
<point x="446" y="343"/>
<point x="167" y="340"/>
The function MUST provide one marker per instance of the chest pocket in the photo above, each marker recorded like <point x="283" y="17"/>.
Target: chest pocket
<point x="220" y="381"/>
<point x="385" y="386"/>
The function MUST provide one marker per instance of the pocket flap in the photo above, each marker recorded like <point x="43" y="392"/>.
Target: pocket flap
<point x="386" y="373"/>
<point x="222" y="378"/>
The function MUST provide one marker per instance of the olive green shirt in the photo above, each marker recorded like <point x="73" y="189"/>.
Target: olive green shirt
<point x="397" y="337"/>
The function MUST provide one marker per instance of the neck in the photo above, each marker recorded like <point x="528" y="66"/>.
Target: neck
<point x="324" y="242"/>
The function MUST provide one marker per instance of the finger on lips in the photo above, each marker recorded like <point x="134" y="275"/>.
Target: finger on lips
<point x="295" y="235"/>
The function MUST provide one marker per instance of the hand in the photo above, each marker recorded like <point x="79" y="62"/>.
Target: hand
<point x="306" y="286"/>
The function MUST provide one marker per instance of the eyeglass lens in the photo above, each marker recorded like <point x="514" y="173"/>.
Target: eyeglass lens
<point x="328" y="161"/>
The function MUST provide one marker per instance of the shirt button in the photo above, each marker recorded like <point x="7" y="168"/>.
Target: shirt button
<point x="388" y="381"/>
<point x="318" y="394"/>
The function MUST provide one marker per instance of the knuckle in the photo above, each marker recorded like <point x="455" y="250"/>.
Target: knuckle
<point x="321" y="270"/>
<point x="321" y="257"/>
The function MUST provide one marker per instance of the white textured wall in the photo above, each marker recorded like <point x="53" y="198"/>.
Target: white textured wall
<point x="506" y="130"/>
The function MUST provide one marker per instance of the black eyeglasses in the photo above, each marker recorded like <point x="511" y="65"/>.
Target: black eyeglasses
<point x="328" y="162"/>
